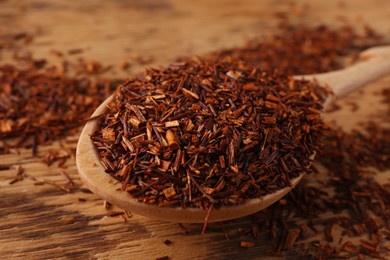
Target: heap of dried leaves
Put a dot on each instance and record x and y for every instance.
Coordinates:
(40, 103)
(209, 131)
(299, 50)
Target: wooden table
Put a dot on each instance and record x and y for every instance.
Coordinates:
(45, 222)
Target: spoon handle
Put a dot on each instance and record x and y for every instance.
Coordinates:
(374, 65)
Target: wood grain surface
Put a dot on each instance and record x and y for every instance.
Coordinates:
(45, 222)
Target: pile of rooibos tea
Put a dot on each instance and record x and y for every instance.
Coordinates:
(209, 132)
(42, 102)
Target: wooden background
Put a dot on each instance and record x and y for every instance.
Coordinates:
(39, 222)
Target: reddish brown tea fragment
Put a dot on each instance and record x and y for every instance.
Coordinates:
(19, 175)
(291, 238)
(167, 242)
(247, 244)
(68, 220)
(55, 184)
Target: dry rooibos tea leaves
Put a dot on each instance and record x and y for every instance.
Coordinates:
(209, 132)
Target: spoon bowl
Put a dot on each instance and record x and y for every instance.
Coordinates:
(376, 64)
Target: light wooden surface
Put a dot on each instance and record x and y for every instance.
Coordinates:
(36, 221)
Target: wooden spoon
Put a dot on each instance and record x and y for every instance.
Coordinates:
(374, 64)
